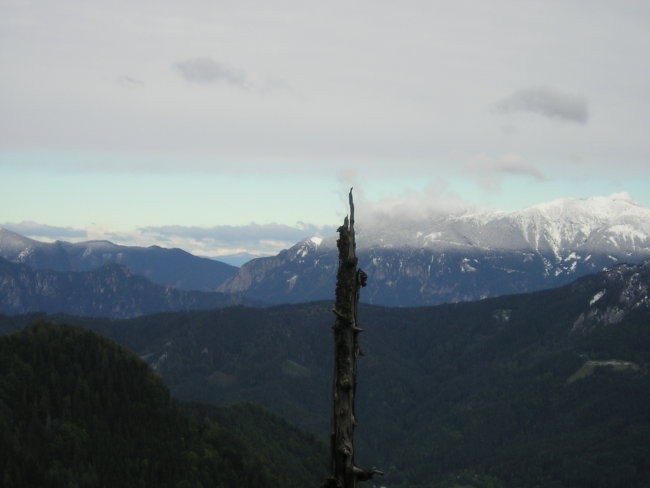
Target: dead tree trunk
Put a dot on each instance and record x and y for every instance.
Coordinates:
(349, 279)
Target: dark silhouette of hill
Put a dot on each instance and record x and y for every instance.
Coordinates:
(78, 410)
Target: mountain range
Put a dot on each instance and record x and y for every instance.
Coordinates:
(449, 257)
(491, 389)
(111, 290)
(169, 267)
(460, 256)
(549, 388)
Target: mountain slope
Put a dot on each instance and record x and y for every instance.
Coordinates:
(539, 389)
(111, 291)
(77, 410)
(461, 257)
(169, 267)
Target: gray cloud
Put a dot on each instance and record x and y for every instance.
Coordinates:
(548, 103)
(128, 80)
(50, 232)
(207, 70)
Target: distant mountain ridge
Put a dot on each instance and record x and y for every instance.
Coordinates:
(169, 267)
(109, 291)
(462, 256)
(449, 257)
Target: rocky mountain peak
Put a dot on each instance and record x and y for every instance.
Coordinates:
(462, 256)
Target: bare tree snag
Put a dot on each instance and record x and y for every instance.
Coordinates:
(349, 280)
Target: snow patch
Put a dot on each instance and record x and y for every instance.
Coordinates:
(433, 236)
(161, 360)
(24, 254)
(623, 196)
(597, 297)
(291, 282)
(502, 315)
(465, 267)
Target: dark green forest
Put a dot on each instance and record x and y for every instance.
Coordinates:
(76, 410)
(550, 389)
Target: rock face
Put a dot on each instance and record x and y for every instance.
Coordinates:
(466, 256)
(624, 290)
(169, 267)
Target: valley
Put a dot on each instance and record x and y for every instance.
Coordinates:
(511, 391)
(499, 349)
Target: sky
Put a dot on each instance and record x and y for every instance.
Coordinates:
(239, 126)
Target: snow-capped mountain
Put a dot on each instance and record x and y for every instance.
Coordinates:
(594, 224)
(468, 255)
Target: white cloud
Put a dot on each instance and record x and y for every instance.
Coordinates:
(408, 209)
(258, 239)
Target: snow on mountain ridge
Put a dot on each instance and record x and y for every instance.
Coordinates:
(467, 255)
(558, 226)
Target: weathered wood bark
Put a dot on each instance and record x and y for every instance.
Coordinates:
(349, 280)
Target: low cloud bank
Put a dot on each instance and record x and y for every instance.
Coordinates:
(38, 231)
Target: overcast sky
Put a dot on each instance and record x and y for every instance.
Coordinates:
(157, 120)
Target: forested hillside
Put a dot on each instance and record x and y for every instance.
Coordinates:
(542, 389)
(109, 291)
(78, 410)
